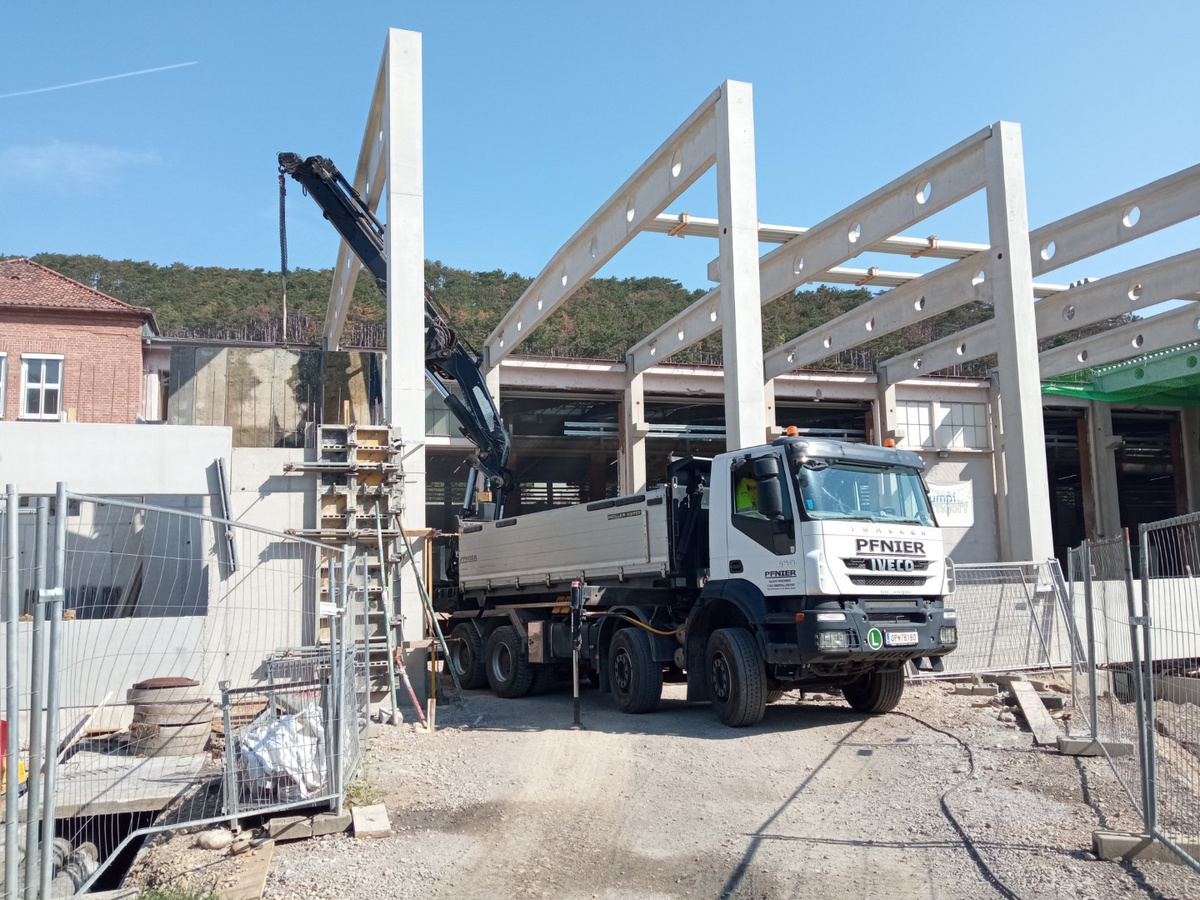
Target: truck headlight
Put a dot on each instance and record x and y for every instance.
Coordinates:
(948, 634)
(832, 640)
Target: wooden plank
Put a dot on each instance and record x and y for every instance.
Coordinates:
(252, 878)
(1044, 728)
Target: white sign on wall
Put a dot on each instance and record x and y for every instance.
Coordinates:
(953, 504)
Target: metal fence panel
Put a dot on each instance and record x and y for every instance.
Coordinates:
(199, 669)
(1110, 712)
(1170, 564)
(1009, 618)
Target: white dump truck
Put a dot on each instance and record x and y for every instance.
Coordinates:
(802, 564)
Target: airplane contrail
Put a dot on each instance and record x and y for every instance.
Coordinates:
(61, 87)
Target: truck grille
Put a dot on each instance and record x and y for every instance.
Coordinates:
(888, 580)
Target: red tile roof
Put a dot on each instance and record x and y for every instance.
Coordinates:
(24, 283)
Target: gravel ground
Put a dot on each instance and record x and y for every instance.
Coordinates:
(946, 798)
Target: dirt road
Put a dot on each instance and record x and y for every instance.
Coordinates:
(941, 800)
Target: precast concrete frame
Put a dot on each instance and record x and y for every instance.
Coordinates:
(391, 161)
(720, 132)
(1000, 272)
(1119, 220)
(1152, 207)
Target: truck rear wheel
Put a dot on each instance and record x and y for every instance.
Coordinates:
(875, 692)
(636, 679)
(466, 655)
(737, 679)
(508, 670)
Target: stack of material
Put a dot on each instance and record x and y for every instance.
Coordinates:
(170, 718)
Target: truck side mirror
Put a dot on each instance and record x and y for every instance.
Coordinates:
(770, 497)
(766, 467)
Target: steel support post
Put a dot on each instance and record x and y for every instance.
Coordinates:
(741, 303)
(12, 615)
(1090, 627)
(1010, 270)
(1149, 746)
(37, 685)
(54, 597)
(1138, 680)
(230, 770)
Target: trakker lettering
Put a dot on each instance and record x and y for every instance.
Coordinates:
(877, 545)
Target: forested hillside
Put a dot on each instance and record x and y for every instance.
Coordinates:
(603, 319)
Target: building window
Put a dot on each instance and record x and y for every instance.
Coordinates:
(3, 381)
(41, 386)
(943, 425)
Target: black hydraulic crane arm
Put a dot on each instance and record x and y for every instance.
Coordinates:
(445, 355)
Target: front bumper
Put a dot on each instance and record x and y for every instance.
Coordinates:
(854, 635)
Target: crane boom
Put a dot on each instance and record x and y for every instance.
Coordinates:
(447, 357)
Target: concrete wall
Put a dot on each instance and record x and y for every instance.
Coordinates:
(117, 460)
(980, 541)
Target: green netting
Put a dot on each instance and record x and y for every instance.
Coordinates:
(1168, 378)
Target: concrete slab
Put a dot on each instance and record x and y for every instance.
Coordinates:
(1134, 845)
(92, 783)
(372, 822)
(1045, 729)
(1083, 746)
(290, 828)
(331, 823)
(977, 690)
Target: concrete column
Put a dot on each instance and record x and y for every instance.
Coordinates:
(774, 427)
(1102, 446)
(886, 418)
(1019, 377)
(404, 398)
(633, 436)
(1189, 429)
(741, 306)
(1000, 485)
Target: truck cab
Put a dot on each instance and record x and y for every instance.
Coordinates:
(829, 555)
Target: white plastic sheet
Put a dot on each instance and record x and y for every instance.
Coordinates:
(285, 759)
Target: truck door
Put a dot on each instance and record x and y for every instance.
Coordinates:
(759, 524)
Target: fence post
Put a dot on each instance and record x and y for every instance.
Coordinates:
(12, 615)
(36, 687)
(55, 597)
(1149, 751)
(1090, 625)
(230, 774)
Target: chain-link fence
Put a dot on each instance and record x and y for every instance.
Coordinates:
(1010, 618)
(167, 668)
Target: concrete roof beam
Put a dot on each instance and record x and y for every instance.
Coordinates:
(686, 155)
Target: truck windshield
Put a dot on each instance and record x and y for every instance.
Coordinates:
(834, 489)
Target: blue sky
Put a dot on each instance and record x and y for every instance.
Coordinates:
(536, 112)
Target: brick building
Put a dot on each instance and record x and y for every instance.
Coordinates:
(67, 351)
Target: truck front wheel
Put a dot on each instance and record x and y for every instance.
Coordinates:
(466, 655)
(875, 692)
(636, 679)
(509, 672)
(737, 679)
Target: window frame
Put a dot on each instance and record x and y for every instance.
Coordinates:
(26, 358)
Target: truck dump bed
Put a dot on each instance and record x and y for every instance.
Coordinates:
(609, 540)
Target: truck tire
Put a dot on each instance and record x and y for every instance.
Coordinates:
(636, 679)
(875, 692)
(737, 679)
(466, 655)
(775, 695)
(508, 670)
